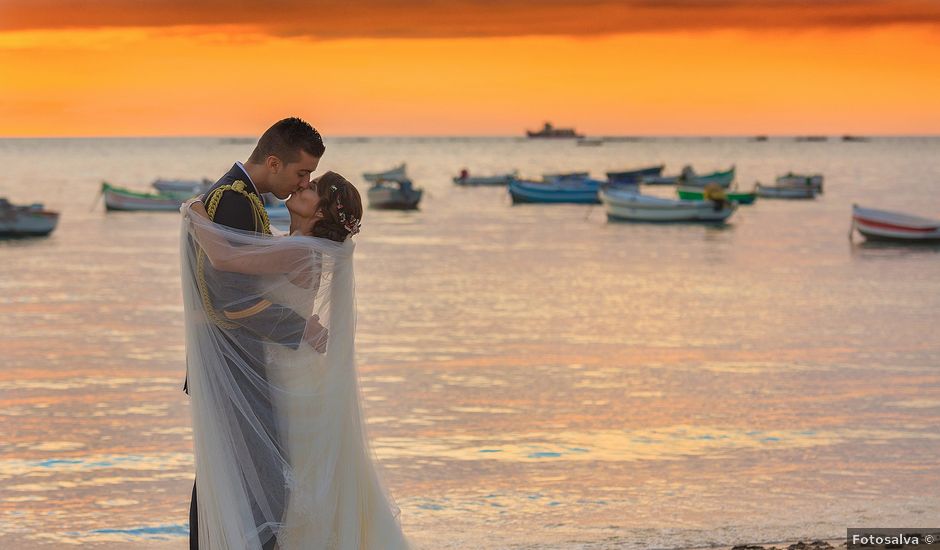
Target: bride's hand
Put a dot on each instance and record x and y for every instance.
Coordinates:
(316, 334)
(303, 277)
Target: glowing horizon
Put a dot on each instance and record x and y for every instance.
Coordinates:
(871, 74)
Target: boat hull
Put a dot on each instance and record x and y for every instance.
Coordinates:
(383, 198)
(534, 192)
(885, 225)
(484, 180)
(28, 224)
(637, 207)
(117, 199)
(635, 176)
(786, 192)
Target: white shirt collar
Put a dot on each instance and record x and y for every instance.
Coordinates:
(242, 166)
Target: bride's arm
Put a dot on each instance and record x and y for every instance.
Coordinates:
(226, 257)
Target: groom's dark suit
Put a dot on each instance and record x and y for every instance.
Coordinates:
(257, 321)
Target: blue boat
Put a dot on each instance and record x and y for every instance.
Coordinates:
(634, 176)
(582, 191)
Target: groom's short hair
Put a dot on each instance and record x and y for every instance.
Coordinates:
(286, 139)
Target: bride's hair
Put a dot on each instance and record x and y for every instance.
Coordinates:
(341, 206)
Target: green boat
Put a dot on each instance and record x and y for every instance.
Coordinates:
(698, 194)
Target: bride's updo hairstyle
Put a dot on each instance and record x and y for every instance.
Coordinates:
(341, 206)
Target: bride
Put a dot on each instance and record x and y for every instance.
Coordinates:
(313, 483)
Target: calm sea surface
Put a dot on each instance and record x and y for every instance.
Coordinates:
(534, 376)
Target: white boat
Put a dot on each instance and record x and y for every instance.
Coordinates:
(784, 192)
(182, 186)
(26, 221)
(895, 226)
(397, 194)
(499, 179)
(801, 180)
(623, 204)
(396, 173)
(119, 198)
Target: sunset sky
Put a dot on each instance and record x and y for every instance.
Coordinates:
(433, 67)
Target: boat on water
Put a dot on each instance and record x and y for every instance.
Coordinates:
(623, 204)
(192, 187)
(855, 138)
(784, 191)
(812, 138)
(698, 194)
(635, 175)
(397, 173)
(689, 178)
(558, 190)
(26, 221)
(499, 179)
(886, 225)
(120, 198)
(801, 180)
(394, 194)
(549, 131)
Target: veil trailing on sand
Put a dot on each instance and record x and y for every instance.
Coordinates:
(280, 449)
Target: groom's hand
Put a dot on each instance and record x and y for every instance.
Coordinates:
(316, 334)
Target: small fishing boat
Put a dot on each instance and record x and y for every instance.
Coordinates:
(26, 221)
(691, 179)
(698, 194)
(119, 198)
(549, 131)
(628, 205)
(192, 187)
(784, 192)
(894, 226)
(500, 179)
(565, 177)
(801, 180)
(396, 173)
(563, 190)
(635, 175)
(394, 194)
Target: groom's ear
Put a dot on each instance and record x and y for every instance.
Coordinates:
(273, 163)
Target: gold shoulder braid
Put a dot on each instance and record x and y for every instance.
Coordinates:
(260, 219)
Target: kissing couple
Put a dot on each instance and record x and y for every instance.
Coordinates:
(282, 458)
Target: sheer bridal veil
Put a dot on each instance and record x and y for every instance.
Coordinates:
(280, 448)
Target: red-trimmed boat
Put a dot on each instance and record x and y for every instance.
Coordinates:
(894, 226)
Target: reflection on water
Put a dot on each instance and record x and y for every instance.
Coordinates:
(533, 377)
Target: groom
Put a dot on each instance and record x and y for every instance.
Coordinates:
(281, 164)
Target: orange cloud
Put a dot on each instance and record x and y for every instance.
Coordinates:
(335, 19)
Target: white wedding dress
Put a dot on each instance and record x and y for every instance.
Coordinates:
(279, 440)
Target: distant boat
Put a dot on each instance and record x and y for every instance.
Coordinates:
(635, 175)
(812, 138)
(698, 194)
(396, 173)
(622, 204)
(500, 179)
(784, 191)
(759, 138)
(394, 194)
(691, 179)
(194, 187)
(119, 198)
(26, 221)
(581, 191)
(549, 131)
(854, 138)
(894, 226)
(565, 177)
(801, 180)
